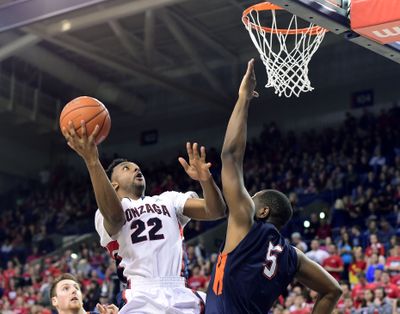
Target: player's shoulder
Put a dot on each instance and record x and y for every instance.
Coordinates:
(270, 230)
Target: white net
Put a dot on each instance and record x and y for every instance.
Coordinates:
(286, 54)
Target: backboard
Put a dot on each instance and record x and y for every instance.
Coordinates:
(335, 15)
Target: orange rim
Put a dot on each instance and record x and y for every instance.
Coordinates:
(267, 6)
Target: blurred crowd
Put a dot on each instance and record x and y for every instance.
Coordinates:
(353, 169)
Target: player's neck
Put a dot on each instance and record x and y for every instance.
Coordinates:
(130, 194)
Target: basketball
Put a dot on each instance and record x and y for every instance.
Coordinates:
(92, 111)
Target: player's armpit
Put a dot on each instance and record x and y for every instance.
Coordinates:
(111, 228)
(196, 208)
(318, 279)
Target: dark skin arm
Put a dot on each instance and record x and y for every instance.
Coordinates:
(241, 206)
(318, 279)
(106, 197)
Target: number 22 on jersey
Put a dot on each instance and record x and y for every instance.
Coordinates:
(155, 224)
(270, 266)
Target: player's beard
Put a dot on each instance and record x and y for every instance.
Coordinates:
(139, 189)
(75, 305)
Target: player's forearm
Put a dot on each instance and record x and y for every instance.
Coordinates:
(326, 303)
(106, 197)
(214, 202)
(236, 132)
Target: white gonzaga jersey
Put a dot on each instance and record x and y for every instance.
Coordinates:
(149, 245)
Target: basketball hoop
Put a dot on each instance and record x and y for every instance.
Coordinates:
(286, 61)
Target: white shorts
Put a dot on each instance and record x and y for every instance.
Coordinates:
(161, 296)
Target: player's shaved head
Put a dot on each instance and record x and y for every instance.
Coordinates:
(280, 208)
(113, 164)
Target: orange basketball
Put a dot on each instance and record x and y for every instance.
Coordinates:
(92, 111)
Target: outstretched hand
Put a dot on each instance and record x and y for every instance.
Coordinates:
(83, 145)
(107, 309)
(197, 168)
(249, 82)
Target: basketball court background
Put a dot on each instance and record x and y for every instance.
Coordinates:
(168, 71)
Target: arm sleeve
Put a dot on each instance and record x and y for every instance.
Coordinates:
(178, 200)
(105, 238)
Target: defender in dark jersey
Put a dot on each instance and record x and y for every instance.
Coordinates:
(256, 264)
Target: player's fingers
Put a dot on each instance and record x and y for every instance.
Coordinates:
(184, 164)
(250, 66)
(65, 133)
(189, 150)
(96, 130)
(112, 308)
(101, 308)
(203, 154)
(256, 94)
(71, 129)
(94, 133)
(83, 129)
(208, 165)
(196, 151)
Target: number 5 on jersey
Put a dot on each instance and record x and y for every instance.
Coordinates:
(270, 266)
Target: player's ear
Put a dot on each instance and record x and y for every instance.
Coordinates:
(264, 212)
(54, 301)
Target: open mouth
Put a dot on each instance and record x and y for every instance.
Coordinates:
(75, 299)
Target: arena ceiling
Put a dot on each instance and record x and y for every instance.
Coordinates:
(149, 61)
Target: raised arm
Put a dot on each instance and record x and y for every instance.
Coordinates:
(318, 279)
(106, 197)
(240, 204)
(213, 205)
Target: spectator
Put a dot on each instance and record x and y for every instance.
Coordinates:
(381, 304)
(298, 242)
(373, 264)
(374, 245)
(393, 261)
(316, 254)
(333, 263)
(197, 280)
(391, 290)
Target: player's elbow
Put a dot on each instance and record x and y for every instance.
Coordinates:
(334, 292)
(229, 154)
(226, 153)
(222, 212)
(217, 213)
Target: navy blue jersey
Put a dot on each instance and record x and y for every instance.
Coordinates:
(251, 277)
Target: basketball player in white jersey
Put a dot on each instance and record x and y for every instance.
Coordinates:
(146, 233)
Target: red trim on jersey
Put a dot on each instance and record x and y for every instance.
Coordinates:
(183, 267)
(112, 247)
(180, 229)
(124, 296)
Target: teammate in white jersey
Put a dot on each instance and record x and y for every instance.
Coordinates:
(145, 233)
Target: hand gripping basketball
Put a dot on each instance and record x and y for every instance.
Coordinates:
(83, 144)
(92, 111)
